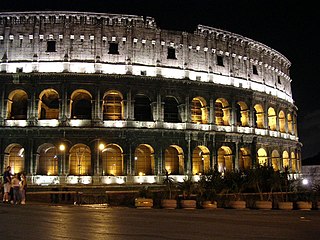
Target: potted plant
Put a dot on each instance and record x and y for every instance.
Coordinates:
(143, 200)
(285, 186)
(208, 187)
(263, 178)
(187, 187)
(235, 183)
(169, 201)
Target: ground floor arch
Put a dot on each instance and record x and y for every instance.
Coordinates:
(225, 162)
(200, 160)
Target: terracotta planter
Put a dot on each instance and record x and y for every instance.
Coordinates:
(209, 204)
(304, 205)
(188, 204)
(285, 205)
(143, 203)
(265, 205)
(237, 204)
(169, 203)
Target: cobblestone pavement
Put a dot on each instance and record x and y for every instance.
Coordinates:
(43, 221)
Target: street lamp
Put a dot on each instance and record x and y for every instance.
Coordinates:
(100, 147)
(62, 148)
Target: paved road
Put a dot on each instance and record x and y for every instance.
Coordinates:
(100, 222)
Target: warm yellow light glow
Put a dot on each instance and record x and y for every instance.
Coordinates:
(101, 146)
(141, 174)
(62, 147)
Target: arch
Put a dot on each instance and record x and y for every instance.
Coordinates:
(222, 112)
(14, 157)
(112, 105)
(282, 122)
(81, 106)
(290, 123)
(80, 160)
(285, 159)
(48, 160)
(174, 160)
(199, 111)
(48, 107)
(245, 161)
(112, 160)
(142, 108)
(225, 162)
(262, 157)
(144, 160)
(200, 160)
(272, 119)
(275, 160)
(258, 116)
(242, 114)
(17, 105)
(170, 111)
(293, 162)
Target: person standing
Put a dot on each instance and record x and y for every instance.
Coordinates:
(6, 184)
(23, 188)
(16, 189)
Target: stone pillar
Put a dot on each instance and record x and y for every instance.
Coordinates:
(251, 117)
(154, 111)
(31, 109)
(130, 107)
(266, 120)
(189, 156)
(187, 111)
(2, 108)
(182, 112)
(233, 114)
(211, 112)
(236, 156)
(30, 159)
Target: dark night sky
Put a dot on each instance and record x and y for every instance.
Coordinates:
(287, 26)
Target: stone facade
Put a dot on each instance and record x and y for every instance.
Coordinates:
(113, 99)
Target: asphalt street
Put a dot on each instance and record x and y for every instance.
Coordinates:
(117, 223)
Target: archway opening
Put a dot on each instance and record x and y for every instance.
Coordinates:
(144, 160)
(112, 160)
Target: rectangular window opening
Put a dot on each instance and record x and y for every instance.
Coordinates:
(255, 70)
(279, 80)
(220, 61)
(171, 53)
(113, 48)
(51, 46)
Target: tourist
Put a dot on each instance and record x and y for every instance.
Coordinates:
(16, 189)
(6, 184)
(23, 188)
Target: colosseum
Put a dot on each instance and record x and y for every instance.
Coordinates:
(111, 99)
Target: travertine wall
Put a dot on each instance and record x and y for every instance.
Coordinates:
(85, 37)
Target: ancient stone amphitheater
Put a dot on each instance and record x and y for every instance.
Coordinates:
(95, 98)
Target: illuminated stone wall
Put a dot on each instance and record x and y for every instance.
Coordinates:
(81, 78)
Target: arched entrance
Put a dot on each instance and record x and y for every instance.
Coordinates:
(144, 160)
(225, 162)
(262, 157)
(80, 160)
(174, 160)
(14, 157)
(48, 160)
(200, 160)
(112, 160)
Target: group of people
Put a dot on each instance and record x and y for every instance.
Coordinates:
(14, 187)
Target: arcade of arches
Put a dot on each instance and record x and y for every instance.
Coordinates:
(81, 104)
(80, 160)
